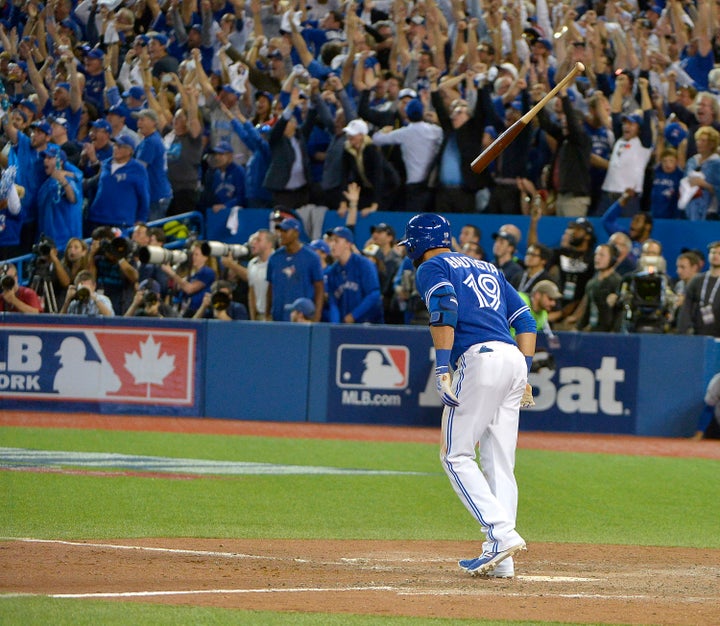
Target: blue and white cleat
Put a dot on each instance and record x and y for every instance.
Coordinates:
(488, 561)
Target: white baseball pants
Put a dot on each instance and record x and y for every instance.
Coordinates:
(489, 382)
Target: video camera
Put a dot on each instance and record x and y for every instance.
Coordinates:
(44, 246)
(112, 247)
(218, 248)
(156, 255)
(645, 303)
(116, 248)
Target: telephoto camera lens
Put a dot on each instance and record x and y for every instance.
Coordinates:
(220, 301)
(82, 294)
(7, 283)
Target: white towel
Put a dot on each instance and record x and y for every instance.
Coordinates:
(233, 222)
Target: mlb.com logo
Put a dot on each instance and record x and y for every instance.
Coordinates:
(372, 367)
(99, 364)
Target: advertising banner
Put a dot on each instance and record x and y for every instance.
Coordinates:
(121, 369)
(586, 383)
(378, 375)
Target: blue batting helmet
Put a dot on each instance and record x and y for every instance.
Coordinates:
(425, 232)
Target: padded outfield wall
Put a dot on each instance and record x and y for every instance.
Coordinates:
(650, 385)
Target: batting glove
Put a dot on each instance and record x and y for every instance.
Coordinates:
(527, 398)
(443, 383)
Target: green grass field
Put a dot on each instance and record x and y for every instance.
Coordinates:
(588, 498)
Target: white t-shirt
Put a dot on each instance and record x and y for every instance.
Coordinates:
(627, 166)
(257, 279)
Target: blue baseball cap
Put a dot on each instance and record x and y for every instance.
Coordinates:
(53, 151)
(222, 147)
(491, 130)
(124, 140)
(544, 42)
(42, 126)
(636, 118)
(289, 223)
(160, 38)
(95, 53)
(303, 305)
(231, 90)
(264, 94)
(136, 92)
(142, 40)
(674, 134)
(321, 245)
(102, 125)
(65, 86)
(28, 104)
(344, 232)
(119, 109)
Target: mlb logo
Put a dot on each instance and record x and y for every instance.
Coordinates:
(372, 367)
(143, 365)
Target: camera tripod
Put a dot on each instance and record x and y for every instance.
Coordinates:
(43, 279)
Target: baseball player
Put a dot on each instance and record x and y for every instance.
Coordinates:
(481, 377)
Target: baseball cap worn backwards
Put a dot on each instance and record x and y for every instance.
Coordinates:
(503, 234)
(547, 287)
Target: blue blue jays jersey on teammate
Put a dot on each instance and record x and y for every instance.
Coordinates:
(354, 288)
(488, 305)
(292, 276)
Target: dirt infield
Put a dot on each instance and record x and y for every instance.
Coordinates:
(579, 583)
(554, 582)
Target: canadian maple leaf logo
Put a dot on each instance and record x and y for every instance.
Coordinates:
(149, 367)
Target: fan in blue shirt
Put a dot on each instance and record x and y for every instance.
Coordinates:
(353, 285)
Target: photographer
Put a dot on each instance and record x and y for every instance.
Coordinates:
(218, 304)
(146, 302)
(116, 275)
(82, 299)
(15, 297)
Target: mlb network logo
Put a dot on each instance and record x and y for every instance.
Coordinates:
(372, 366)
(105, 364)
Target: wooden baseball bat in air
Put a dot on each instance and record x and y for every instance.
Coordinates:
(495, 149)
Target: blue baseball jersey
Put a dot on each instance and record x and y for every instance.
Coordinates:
(487, 305)
(151, 152)
(355, 288)
(292, 276)
(665, 193)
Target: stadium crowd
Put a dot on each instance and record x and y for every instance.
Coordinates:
(116, 113)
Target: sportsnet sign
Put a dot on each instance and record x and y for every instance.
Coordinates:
(105, 364)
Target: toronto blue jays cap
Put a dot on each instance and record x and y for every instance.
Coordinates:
(303, 305)
(53, 151)
(289, 223)
(344, 232)
(42, 126)
(321, 245)
(102, 125)
(674, 134)
(136, 92)
(222, 147)
(124, 140)
(633, 117)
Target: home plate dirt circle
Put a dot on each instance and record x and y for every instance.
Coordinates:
(554, 582)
